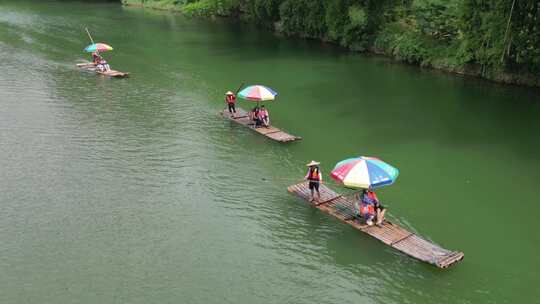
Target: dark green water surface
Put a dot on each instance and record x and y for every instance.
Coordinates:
(136, 191)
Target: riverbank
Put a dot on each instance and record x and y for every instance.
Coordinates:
(491, 41)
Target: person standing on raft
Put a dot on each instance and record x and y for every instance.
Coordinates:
(230, 99)
(314, 177)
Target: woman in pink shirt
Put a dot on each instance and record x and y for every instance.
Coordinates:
(263, 116)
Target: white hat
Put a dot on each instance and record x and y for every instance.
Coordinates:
(229, 93)
(313, 163)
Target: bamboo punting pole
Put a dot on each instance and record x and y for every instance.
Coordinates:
(89, 36)
(506, 31)
(239, 88)
(296, 180)
(91, 39)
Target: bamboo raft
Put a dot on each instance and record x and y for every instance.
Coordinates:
(271, 132)
(391, 234)
(89, 66)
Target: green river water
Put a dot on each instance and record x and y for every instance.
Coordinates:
(136, 191)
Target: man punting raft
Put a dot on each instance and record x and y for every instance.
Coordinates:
(314, 177)
(364, 212)
(364, 173)
(258, 119)
(230, 100)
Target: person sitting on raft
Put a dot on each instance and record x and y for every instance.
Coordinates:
(254, 115)
(263, 116)
(314, 177)
(380, 210)
(103, 66)
(230, 99)
(364, 207)
(96, 58)
(370, 208)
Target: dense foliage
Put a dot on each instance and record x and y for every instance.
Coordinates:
(493, 36)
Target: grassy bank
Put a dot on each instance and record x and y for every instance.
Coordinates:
(496, 40)
(189, 7)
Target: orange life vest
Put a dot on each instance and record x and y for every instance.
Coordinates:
(230, 98)
(372, 196)
(367, 209)
(314, 174)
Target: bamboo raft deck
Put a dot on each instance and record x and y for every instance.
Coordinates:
(271, 132)
(391, 234)
(89, 66)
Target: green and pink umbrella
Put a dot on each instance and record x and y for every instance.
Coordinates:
(364, 172)
(98, 47)
(258, 93)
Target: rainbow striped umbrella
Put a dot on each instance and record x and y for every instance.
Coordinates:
(98, 47)
(258, 93)
(364, 172)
